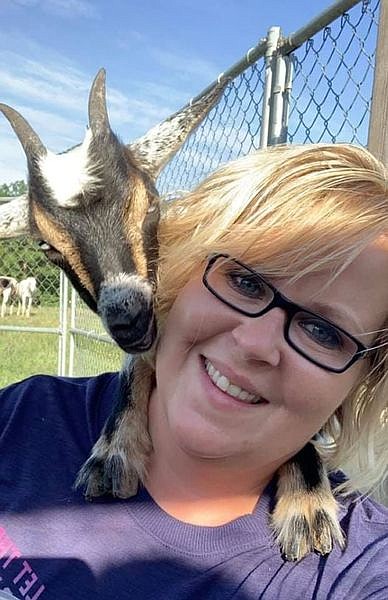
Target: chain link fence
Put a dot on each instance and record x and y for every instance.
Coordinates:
(319, 91)
(21, 353)
(312, 86)
(91, 350)
(332, 85)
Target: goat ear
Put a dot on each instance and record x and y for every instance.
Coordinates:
(30, 140)
(153, 150)
(98, 112)
(14, 218)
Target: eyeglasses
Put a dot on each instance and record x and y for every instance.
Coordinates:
(320, 341)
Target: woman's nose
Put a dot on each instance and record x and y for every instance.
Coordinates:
(261, 338)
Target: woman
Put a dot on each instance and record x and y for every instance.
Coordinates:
(272, 304)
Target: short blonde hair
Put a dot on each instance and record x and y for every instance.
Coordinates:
(293, 210)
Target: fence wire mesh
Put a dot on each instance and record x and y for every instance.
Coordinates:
(330, 100)
(22, 259)
(232, 128)
(324, 96)
(91, 349)
(333, 78)
(29, 344)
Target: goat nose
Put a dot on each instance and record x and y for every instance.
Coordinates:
(133, 333)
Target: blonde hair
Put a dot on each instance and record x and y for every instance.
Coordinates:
(293, 210)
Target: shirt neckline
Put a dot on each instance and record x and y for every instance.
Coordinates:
(245, 531)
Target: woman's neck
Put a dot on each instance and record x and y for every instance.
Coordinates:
(200, 493)
(197, 489)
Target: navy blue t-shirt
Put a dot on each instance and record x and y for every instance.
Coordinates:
(54, 545)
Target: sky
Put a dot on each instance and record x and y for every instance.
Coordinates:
(157, 53)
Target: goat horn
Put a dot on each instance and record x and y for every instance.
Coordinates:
(27, 137)
(14, 217)
(154, 149)
(98, 113)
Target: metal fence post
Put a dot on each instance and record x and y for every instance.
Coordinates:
(378, 134)
(270, 66)
(73, 313)
(287, 96)
(63, 297)
(378, 124)
(279, 102)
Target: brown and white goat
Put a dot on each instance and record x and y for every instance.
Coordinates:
(96, 211)
(7, 289)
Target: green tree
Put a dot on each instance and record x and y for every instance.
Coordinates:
(16, 188)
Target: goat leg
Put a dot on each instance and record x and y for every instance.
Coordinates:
(118, 459)
(305, 515)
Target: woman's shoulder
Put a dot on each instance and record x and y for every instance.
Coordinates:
(41, 387)
(357, 511)
(365, 524)
(365, 512)
(51, 381)
(56, 399)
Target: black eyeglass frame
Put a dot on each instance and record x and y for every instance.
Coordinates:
(290, 308)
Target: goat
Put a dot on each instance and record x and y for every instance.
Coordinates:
(95, 209)
(24, 291)
(7, 289)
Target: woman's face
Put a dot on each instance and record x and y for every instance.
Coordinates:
(293, 398)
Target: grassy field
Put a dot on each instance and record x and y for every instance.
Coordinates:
(23, 353)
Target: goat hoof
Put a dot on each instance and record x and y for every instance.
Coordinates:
(324, 531)
(90, 477)
(121, 480)
(306, 524)
(107, 474)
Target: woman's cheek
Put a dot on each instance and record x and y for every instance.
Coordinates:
(315, 396)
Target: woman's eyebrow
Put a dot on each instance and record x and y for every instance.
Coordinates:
(340, 315)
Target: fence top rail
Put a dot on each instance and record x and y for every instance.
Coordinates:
(238, 67)
(288, 44)
(332, 12)
(26, 329)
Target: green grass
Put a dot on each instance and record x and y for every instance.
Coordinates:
(23, 353)
(92, 357)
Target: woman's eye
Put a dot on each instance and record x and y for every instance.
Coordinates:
(247, 284)
(323, 333)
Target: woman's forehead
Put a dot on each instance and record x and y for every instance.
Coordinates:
(381, 242)
(359, 291)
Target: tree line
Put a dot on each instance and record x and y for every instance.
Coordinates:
(16, 188)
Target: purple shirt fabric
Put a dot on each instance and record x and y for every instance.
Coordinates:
(54, 545)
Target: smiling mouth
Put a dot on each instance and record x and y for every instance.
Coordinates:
(230, 388)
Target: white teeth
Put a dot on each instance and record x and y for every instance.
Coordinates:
(225, 385)
(222, 382)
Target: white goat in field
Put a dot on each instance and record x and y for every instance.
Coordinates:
(24, 292)
(7, 290)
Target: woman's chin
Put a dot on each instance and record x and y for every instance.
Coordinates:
(204, 443)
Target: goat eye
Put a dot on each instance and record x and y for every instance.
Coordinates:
(44, 245)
